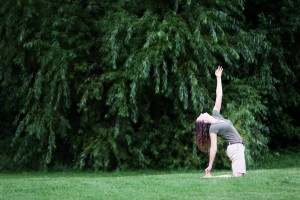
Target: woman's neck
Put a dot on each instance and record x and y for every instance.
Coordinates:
(214, 120)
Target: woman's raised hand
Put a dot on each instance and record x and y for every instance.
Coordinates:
(219, 71)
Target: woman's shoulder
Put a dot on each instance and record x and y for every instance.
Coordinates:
(217, 114)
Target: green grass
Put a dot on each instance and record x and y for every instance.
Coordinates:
(257, 184)
(280, 182)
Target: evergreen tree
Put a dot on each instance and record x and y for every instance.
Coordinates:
(118, 84)
(281, 22)
(158, 61)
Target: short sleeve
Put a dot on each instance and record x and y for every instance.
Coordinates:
(217, 114)
(213, 129)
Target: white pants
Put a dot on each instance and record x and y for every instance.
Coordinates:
(236, 153)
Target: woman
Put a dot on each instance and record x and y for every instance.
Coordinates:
(208, 127)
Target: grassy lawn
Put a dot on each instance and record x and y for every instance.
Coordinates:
(264, 183)
(258, 184)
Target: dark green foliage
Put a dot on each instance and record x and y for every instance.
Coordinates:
(118, 84)
(281, 22)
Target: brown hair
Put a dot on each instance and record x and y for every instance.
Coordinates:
(202, 135)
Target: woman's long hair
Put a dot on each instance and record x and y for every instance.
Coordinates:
(202, 135)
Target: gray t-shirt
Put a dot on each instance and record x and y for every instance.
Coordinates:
(224, 129)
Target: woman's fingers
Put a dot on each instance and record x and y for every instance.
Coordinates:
(219, 71)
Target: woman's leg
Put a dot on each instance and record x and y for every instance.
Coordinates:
(236, 154)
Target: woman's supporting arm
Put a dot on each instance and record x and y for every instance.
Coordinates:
(212, 152)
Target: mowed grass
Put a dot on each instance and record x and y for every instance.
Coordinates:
(276, 183)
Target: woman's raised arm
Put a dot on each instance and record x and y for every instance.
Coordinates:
(219, 90)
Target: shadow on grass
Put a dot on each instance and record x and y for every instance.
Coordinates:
(281, 158)
(277, 159)
(93, 174)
